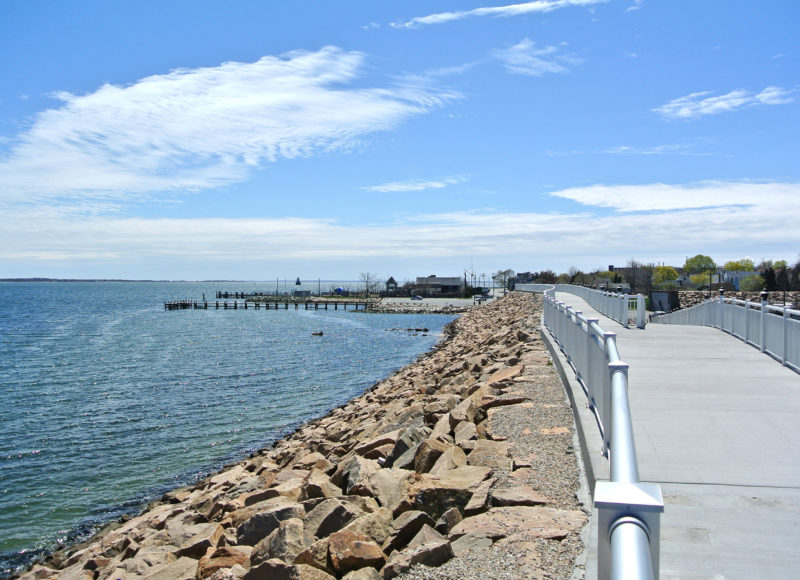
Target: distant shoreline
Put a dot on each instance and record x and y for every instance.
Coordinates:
(146, 280)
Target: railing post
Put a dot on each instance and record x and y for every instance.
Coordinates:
(746, 321)
(641, 311)
(605, 414)
(622, 300)
(764, 305)
(587, 381)
(785, 333)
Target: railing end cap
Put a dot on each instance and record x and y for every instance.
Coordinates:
(612, 494)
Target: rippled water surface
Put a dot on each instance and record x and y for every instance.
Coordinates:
(107, 400)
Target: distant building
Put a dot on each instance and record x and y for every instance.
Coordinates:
(735, 277)
(391, 285)
(434, 285)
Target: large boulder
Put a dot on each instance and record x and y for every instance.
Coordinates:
(195, 547)
(260, 525)
(538, 522)
(318, 484)
(404, 528)
(428, 548)
(286, 542)
(329, 516)
(428, 452)
(376, 525)
(354, 472)
(408, 439)
(437, 494)
(349, 551)
(279, 570)
(225, 557)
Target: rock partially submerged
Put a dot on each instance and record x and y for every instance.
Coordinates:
(409, 474)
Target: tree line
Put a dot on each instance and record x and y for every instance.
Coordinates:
(701, 271)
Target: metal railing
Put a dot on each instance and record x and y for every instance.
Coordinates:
(774, 330)
(629, 511)
(626, 309)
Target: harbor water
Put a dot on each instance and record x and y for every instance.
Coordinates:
(108, 401)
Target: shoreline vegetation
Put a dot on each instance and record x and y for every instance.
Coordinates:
(460, 465)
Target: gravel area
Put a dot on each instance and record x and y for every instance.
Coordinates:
(547, 458)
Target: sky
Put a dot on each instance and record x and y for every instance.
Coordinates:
(256, 140)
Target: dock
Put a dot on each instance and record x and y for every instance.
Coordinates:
(272, 305)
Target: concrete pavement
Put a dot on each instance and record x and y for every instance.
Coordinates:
(716, 425)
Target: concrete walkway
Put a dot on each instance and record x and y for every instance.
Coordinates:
(717, 425)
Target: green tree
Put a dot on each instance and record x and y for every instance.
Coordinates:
(663, 274)
(743, 265)
(699, 264)
(547, 277)
(770, 280)
(752, 283)
(701, 279)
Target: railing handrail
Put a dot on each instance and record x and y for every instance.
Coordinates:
(615, 305)
(628, 510)
(773, 329)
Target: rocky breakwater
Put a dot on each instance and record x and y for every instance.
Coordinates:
(419, 308)
(459, 466)
(689, 298)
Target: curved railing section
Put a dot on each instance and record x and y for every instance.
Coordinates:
(629, 511)
(774, 330)
(627, 309)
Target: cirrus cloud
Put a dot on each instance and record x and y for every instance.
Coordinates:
(526, 58)
(540, 6)
(696, 105)
(415, 185)
(198, 128)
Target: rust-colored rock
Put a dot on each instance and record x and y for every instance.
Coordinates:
(539, 522)
(350, 551)
(225, 557)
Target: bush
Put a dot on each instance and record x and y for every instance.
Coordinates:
(752, 283)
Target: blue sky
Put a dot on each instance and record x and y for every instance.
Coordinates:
(255, 140)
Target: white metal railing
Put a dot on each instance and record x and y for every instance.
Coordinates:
(626, 309)
(774, 330)
(629, 511)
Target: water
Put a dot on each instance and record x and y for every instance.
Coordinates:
(108, 401)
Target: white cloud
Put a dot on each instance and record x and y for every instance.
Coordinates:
(526, 59)
(664, 197)
(775, 96)
(540, 6)
(199, 128)
(415, 185)
(698, 104)
(689, 148)
(650, 221)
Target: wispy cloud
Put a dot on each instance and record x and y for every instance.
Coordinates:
(526, 59)
(690, 148)
(199, 128)
(415, 185)
(700, 104)
(540, 6)
(665, 197)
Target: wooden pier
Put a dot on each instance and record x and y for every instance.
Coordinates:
(274, 305)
